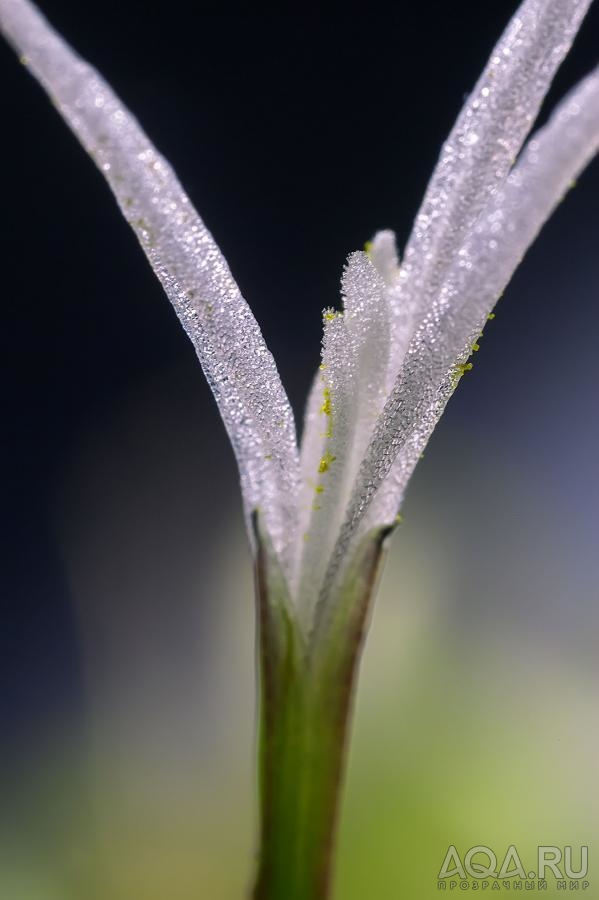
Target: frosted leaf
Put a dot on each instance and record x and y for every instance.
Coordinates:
(382, 252)
(367, 318)
(553, 158)
(438, 354)
(551, 162)
(325, 457)
(393, 358)
(340, 422)
(314, 435)
(481, 149)
(193, 272)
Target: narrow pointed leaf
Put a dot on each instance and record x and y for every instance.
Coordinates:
(552, 160)
(184, 256)
(439, 351)
(482, 147)
(384, 256)
(323, 489)
(354, 365)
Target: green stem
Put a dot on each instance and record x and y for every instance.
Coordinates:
(305, 710)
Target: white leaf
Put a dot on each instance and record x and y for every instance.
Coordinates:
(382, 252)
(328, 439)
(553, 158)
(184, 256)
(442, 344)
(481, 150)
(341, 420)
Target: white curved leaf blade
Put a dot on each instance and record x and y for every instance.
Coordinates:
(553, 158)
(186, 259)
(439, 351)
(346, 401)
(481, 150)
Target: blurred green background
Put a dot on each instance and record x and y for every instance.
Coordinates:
(476, 719)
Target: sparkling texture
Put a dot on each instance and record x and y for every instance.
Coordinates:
(191, 268)
(385, 258)
(394, 355)
(345, 403)
(514, 215)
(481, 150)
(438, 352)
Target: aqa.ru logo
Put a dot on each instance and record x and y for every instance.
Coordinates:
(480, 863)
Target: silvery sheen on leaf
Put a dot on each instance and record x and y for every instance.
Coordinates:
(396, 350)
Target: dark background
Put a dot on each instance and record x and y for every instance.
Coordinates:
(297, 135)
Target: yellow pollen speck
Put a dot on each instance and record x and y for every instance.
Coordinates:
(475, 347)
(322, 367)
(268, 456)
(398, 518)
(319, 489)
(329, 315)
(326, 406)
(325, 462)
(327, 410)
(368, 248)
(491, 316)
(460, 370)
